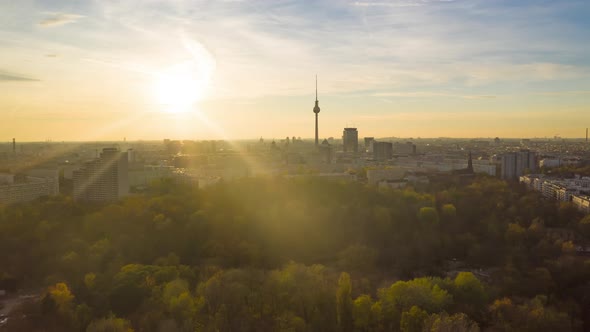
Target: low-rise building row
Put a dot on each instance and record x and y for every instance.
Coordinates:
(575, 190)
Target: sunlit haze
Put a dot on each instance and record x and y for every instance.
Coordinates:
(295, 165)
(106, 69)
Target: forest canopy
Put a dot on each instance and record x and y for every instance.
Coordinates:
(302, 254)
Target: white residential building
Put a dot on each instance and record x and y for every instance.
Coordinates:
(574, 190)
(23, 188)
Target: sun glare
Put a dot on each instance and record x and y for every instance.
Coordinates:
(179, 88)
(182, 85)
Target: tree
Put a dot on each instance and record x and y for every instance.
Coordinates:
(110, 324)
(413, 320)
(362, 313)
(584, 226)
(403, 295)
(515, 234)
(445, 323)
(469, 294)
(61, 295)
(344, 302)
(179, 301)
(288, 322)
(357, 258)
(428, 215)
(449, 211)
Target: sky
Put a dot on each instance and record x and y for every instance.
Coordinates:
(243, 69)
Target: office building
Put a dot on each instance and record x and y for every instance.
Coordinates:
(516, 164)
(350, 140)
(103, 179)
(382, 151)
(369, 144)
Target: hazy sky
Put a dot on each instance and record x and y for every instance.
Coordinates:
(108, 69)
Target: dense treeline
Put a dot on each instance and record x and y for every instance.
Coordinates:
(299, 255)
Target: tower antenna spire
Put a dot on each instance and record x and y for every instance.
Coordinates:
(316, 110)
(316, 87)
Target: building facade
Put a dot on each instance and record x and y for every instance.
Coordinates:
(350, 140)
(516, 164)
(369, 144)
(18, 189)
(382, 151)
(404, 148)
(103, 179)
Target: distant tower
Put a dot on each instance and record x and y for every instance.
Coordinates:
(14, 145)
(586, 135)
(316, 110)
(470, 163)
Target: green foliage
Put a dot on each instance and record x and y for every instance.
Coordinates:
(469, 294)
(363, 315)
(449, 211)
(444, 323)
(413, 320)
(62, 297)
(357, 258)
(428, 215)
(533, 315)
(403, 295)
(344, 306)
(268, 255)
(110, 324)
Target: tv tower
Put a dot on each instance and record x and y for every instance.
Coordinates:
(316, 110)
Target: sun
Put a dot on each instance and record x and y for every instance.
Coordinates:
(179, 88)
(182, 85)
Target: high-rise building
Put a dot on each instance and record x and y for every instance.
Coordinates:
(369, 144)
(515, 164)
(103, 179)
(350, 140)
(382, 150)
(316, 110)
(508, 161)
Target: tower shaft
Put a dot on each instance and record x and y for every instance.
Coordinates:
(316, 129)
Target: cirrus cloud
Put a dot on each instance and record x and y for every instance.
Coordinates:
(57, 19)
(8, 76)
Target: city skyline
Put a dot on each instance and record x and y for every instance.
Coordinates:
(103, 70)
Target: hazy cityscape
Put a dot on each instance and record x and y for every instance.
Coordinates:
(38, 169)
(356, 166)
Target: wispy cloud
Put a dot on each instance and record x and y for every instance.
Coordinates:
(426, 94)
(398, 3)
(386, 4)
(562, 93)
(57, 19)
(8, 76)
